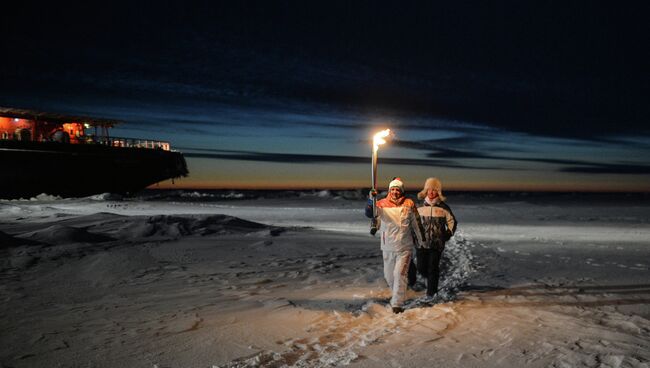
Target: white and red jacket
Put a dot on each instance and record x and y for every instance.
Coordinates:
(398, 223)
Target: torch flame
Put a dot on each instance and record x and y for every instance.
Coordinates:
(379, 139)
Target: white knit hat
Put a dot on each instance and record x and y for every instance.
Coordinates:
(432, 183)
(397, 182)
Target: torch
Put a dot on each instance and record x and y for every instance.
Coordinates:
(376, 141)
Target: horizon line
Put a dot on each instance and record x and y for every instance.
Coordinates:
(456, 190)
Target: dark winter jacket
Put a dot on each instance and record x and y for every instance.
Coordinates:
(439, 223)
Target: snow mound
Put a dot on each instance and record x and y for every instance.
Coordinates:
(324, 194)
(457, 266)
(60, 234)
(7, 241)
(202, 195)
(106, 197)
(45, 197)
(41, 197)
(179, 226)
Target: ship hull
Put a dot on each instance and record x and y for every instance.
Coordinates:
(78, 170)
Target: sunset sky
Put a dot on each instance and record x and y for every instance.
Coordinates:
(282, 94)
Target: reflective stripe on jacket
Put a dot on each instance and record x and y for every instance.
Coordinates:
(439, 224)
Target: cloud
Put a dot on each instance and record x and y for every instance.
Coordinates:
(313, 159)
(618, 169)
(437, 149)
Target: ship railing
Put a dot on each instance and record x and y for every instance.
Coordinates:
(92, 139)
(133, 142)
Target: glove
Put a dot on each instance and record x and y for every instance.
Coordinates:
(369, 208)
(448, 235)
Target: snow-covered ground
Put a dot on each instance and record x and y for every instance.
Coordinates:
(237, 281)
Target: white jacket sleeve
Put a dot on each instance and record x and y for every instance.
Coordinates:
(416, 225)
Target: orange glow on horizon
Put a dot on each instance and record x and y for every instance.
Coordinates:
(226, 175)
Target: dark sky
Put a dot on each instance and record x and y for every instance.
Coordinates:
(537, 71)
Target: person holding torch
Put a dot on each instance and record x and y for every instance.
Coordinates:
(396, 218)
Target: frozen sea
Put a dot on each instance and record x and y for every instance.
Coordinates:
(293, 278)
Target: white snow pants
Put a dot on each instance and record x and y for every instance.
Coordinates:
(396, 267)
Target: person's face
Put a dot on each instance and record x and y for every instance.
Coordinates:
(432, 193)
(395, 193)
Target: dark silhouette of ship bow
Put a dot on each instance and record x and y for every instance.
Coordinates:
(78, 170)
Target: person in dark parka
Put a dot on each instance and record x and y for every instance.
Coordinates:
(440, 225)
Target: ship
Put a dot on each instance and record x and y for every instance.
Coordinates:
(75, 156)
